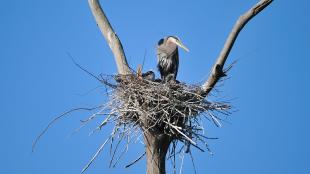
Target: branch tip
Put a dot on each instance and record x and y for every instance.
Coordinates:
(218, 71)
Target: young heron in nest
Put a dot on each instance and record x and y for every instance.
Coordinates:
(168, 57)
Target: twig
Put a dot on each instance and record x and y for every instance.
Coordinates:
(193, 163)
(179, 131)
(95, 156)
(182, 161)
(57, 118)
(82, 68)
(140, 157)
(116, 147)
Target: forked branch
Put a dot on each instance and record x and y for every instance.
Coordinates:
(110, 36)
(217, 70)
(164, 113)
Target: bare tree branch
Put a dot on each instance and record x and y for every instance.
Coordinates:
(110, 36)
(217, 70)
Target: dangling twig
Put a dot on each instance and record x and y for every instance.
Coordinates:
(95, 155)
(57, 118)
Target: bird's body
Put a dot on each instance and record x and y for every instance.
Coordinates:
(150, 75)
(168, 61)
(168, 57)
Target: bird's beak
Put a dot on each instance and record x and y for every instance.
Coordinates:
(180, 44)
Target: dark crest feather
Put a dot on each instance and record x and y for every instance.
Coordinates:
(161, 41)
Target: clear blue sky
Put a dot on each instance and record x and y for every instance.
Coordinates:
(269, 85)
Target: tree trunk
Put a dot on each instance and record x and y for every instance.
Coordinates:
(156, 149)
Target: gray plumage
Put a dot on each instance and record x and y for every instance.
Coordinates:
(168, 57)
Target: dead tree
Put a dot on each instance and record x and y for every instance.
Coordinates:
(157, 141)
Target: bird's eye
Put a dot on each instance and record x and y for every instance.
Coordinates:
(161, 41)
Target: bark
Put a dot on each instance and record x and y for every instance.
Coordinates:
(156, 147)
(217, 70)
(111, 37)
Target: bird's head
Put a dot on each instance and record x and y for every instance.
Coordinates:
(172, 40)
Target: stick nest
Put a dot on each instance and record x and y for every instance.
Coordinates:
(137, 105)
(174, 109)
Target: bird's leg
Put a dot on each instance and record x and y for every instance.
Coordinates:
(163, 79)
(169, 78)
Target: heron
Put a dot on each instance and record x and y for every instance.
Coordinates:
(168, 57)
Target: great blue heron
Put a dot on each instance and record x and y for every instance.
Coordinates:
(168, 57)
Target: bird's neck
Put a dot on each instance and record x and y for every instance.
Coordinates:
(171, 47)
